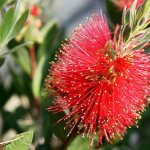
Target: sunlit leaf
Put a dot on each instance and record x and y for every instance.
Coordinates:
(6, 26)
(17, 8)
(20, 142)
(19, 25)
(11, 25)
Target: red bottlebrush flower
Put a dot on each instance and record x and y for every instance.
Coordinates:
(104, 88)
(35, 10)
(128, 3)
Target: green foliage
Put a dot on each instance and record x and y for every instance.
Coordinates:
(135, 23)
(135, 26)
(10, 25)
(19, 25)
(13, 50)
(126, 32)
(36, 84)
(2, 2)
(22, 141)
(2, 61)
(6, 25)
(79, 143)
(23, 54)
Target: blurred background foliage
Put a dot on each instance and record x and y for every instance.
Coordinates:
(23, 99)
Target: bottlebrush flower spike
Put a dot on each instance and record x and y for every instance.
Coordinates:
(103, 83)
(128, 3)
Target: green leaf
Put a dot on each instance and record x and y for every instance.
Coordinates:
(58, 128)
(142, 40)
(126, 16)
(20, 83)
(140, 10)
(49, 122)
(14, 49)
(136, 31)
(126, 32)
(2, 61)
(11, 25)
(6, 26)
(49, 33)
(17, 8)
(146, 7)
(79, 143)
(139, 46)
(37, 80)
(19, 25)
(143, 12)
(20, 142)
(133, 14)
(124, 22)
(2, 2)
(23, 59)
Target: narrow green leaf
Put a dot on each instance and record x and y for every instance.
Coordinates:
(17, 8)
(132, 14)
(140, 10)
(142, 35)
(37, 80)
(146, 6)
(138, 24)
(139, 46)
(126, 17)
(126, 32)
(142, 40)
(20, 142)
(124, 22)
(2, 60)
(6, 26)
(15, 49)
(19, 25)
